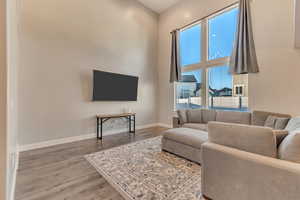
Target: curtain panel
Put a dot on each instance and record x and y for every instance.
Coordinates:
(175, 73)
(243, 59)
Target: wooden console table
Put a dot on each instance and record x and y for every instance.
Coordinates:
(103, 118)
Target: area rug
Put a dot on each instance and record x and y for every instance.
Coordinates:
(141, 171)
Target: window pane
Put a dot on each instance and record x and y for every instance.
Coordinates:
(189, 90)
(222, 29)
(221, 93)
(190, 46)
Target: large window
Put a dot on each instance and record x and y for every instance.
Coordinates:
(205, 48)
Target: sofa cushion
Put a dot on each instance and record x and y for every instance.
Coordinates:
(234, 117)
(194, 116)
(278, 123)
(208, 115)
(293, 124)
(289, 148)
(182, 116)
(253, 139)
(187, 136)
(198, 126)
(259, 117)
(270, 121)
(281, 123)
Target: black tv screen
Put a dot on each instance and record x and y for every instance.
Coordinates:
(114, 87)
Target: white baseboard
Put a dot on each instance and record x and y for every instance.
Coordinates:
(11, 193)
(49, 143)
(165, 125)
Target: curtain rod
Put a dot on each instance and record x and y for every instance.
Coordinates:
(215, 12)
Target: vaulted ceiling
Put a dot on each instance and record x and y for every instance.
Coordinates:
(159, 5)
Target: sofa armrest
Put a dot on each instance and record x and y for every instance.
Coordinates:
(254, 139)
(176, 122)
(229, 173)
(280, 135)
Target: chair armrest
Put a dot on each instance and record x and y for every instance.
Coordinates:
(254, 139)
(246, 175)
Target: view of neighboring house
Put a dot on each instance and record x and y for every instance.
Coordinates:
(188, 93)
(188, 87)
(240, 85)
(220, 93)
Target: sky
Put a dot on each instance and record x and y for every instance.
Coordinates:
(221, 36)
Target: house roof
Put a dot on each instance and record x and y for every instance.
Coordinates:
(189, 79)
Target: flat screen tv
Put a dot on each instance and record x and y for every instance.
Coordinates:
(114, 87)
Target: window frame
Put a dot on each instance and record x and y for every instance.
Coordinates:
(205, 63)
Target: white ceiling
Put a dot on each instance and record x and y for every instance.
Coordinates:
(158, 5)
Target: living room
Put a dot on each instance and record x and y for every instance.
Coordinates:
(137, 99)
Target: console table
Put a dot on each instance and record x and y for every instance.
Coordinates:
(103, 118)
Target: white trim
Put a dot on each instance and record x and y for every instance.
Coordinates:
(165, 125)
(49, 143)
(14, 178)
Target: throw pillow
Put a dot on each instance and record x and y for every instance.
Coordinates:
(293, 124)
(289, 149)
(194, 116)
(281, 123)
(270, 121)
(182, 116)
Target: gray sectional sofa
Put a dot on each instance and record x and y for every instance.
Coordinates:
(244, 156)
(191, 129)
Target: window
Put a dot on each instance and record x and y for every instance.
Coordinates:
(221, 34)
(190, 46)
(204, 51)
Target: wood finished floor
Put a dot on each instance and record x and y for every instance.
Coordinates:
(61, 172)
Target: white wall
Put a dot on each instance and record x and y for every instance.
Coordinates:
(3, 100)
(12, 61)
(61, 42)
(276, 87)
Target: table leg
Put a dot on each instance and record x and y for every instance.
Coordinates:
(101, 128)
(129, 124)
(134, 124)
(97, 127)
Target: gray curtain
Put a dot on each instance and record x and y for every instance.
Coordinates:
(175, 75)
(243, 59)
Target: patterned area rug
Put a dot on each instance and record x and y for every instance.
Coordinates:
(141, 171)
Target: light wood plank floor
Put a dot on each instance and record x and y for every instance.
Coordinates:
(61, 172)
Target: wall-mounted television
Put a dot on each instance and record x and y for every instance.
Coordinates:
(114, 87)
